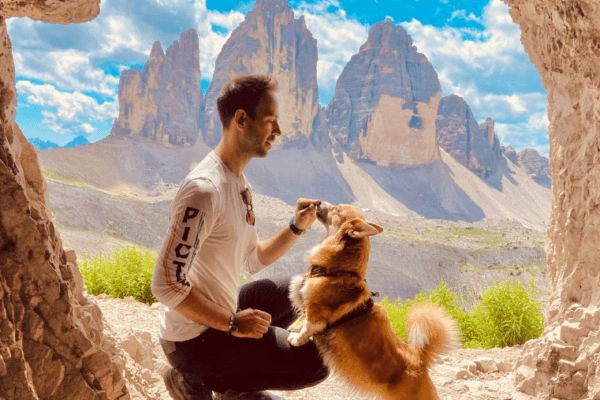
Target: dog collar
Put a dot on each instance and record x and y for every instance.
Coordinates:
(319, 270)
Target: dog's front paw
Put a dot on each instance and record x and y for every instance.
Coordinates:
(296, 340)
(294, 328)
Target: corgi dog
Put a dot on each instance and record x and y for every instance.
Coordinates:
(351, 331)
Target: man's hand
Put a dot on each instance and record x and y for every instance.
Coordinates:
(306, 213)
(252, 324)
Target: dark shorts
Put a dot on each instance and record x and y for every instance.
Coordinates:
(221, 362)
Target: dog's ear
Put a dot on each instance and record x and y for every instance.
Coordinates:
(362, 228)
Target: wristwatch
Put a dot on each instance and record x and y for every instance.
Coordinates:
(295, 229)
(233, 323)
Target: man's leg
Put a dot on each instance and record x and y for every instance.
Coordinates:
(245, 365)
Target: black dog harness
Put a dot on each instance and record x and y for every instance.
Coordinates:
(362, 309)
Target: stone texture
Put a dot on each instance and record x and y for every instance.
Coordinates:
(386, 100)
(48, 329)
(562, 38)
(163, 102)
(474, 146)
(537, 166)
(270, 41)
(52, 11)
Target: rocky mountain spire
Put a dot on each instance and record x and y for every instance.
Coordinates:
(474, 146)
(163, 101)
(386, 101)
(270, 41)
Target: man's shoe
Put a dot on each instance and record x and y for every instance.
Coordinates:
(231, 395)
(174, 384)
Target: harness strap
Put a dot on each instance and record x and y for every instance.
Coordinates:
(359, 311)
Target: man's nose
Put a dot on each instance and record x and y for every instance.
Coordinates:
(276, 129)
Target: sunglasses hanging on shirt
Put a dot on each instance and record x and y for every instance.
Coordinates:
(247, 198)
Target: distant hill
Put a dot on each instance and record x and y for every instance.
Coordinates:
(46, 144)
(43, 144)
(78, 141)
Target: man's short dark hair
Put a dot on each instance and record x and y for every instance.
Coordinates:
(244, 93)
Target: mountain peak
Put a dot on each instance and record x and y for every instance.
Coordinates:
(157, 50)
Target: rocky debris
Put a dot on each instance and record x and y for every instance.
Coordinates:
(163, 101)
(537, 166)
(466, 374)
(386, 100)
(270, 41)
(472, 145)
(562, 39)
(51, 341)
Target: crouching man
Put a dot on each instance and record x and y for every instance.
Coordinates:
(219, 338)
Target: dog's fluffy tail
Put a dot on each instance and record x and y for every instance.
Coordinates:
(431, 329)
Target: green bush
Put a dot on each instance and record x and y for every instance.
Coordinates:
(120, 274)
(506, 315)
(126, 273)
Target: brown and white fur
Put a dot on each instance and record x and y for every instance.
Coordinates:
(365, 352)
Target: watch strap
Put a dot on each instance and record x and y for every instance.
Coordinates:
(295, 229)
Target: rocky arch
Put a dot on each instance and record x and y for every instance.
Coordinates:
(51, 342)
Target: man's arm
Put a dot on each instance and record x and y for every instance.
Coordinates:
(275, 246)
(198, 308)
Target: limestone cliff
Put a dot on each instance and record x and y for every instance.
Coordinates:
(474, 146)
(51, 341)
(537, 166)
(163, 101)
(562, 38)
(270, 41)
(386, 101)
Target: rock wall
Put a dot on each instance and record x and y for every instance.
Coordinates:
(386, 101)
(270, 41)
(51, 341)
(474, 146)
(562, 38)
(164, 101)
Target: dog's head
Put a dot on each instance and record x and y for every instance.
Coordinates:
(347, 245)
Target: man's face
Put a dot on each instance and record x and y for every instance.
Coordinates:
(263, 130)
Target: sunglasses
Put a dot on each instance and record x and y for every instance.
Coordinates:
(247, 197)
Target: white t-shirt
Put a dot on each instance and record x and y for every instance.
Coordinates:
(207, 244)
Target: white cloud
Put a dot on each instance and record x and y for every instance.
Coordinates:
(338, 39)
(462, 14)
(66, 112)
(87, 128)
(67, 69)
(532, 133)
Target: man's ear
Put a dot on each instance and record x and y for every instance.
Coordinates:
(362, 228)
(240, 118)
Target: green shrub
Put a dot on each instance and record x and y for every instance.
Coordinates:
(126, 273)
(120, 274)
(506, 315)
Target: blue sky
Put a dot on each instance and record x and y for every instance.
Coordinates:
(68, 76)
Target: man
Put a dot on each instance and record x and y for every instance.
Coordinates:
(217, 339)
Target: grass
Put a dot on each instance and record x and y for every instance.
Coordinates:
(506, 315)
(124, 273)
(60, 177)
